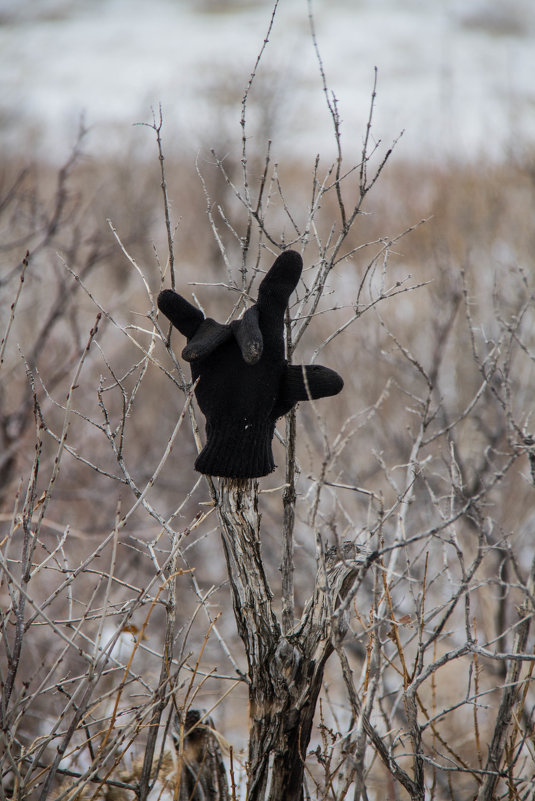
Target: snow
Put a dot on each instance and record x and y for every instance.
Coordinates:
(457, 77)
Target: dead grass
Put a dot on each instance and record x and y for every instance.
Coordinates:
(475, 260)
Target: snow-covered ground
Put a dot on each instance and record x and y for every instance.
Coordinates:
(457, 75)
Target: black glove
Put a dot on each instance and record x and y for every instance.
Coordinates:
(245, 383)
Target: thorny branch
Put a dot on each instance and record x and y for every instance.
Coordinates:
(387, 583)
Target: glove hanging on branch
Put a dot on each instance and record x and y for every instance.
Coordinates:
(245, 383)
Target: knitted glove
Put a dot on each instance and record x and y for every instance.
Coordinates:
(245, 383)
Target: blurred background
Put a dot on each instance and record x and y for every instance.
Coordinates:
(455, 75)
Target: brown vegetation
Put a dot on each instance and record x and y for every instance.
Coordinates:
(116, 614)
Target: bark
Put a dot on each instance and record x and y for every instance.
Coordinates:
(285, 670)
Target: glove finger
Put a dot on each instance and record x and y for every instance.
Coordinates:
(306, 382)
(209, 336)
(183, 315)
(281, 280)
(248, 336)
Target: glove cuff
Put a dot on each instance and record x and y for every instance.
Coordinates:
(237, 449)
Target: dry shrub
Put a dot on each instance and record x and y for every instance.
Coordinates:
(425, 456)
